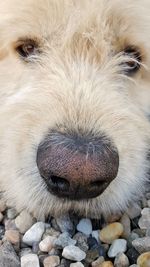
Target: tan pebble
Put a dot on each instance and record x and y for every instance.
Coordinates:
(2, 205)
(1, 217)
(51, 261)
(12, 236)
(47, 243)
(24, 221)
(106, 264)
(144, 260)
(111, 232)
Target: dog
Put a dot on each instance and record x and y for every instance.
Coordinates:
(75, 105)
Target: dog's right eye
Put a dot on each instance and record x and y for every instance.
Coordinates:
(27, 48)
(134, 63)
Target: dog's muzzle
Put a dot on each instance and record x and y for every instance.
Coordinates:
(76, 166)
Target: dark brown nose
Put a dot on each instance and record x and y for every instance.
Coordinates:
(77, 167)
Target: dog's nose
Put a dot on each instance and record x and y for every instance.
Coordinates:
(77, 167)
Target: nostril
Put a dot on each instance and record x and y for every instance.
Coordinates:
(99, 183)
(60, 183)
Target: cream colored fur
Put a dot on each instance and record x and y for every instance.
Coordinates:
(75, 82)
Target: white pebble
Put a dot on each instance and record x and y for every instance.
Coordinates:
(30, 260)
(47, 244)
(73, 253)
(118, 246)
(85, 226)
(34, 234)
(76, 264)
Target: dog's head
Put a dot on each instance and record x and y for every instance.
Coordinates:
(75, 100)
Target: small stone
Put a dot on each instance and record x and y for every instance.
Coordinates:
(30, 260)
(51, 232)
(92, 255)
(64, 240)
(65, 224)
(2, 205)
(34, 234)
(121, 260)
(10, 225)
(98, 262)
(111, 232)
(85, 226)
(51, 261)
(132, 255)
(134, 265)
(1, 217)
(8, 257)
(144, 260)
(11, 213)
(125, 221)
(76, 264)
(73, 253)
(134, 211)
(81, 241)
(144, 221)
(47, 244)
(96, 234)
(142, 244)
(148, 232)
(24, 221)
(35, 247)
(65, 263)
(12, 236)
(25, 251)
(132, 237)
(107, 264)
(118, 246)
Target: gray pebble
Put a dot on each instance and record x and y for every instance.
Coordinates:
(34, 234)
(85, 226)
(81, 241)
(11, 213)
(142, 244)
(144, 221)
(121, 260)
(118, 246)
(64, 240)
(30, 260)
(73, 253)
(8, 257)
(65, 224)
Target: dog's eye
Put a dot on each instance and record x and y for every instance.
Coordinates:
(134, 62)
(27, 48)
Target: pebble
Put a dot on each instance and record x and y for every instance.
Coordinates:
(91, 255)
(144, 221)
(121, 260)
(2, 205)
(12, 236)
(125, 221)
(85, 226)
(11, 213)
(98, 262)
(73, 253)
(76, 264)
(144, 260)
(106, 264)
(51, 261)
(111, 232)
(1, 217)
(81, 240)
(142, 244)
(118, 246)
(65, 224)
(8, 257)
(52, 232)
(134, 211)
(34, 234)
(96, 234)
(47, 243)
(24, 221)
(132, 237)
(64, 240)
(132, 255)
(30, 260)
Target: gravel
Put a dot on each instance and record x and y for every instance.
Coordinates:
(71, 241)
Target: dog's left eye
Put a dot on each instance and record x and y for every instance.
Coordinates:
(134, 63)
(27, 48)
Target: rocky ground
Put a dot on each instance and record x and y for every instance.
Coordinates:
(69, 241)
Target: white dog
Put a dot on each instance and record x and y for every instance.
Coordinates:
(75, 101)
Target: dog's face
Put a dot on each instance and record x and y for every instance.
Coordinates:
(75, 101)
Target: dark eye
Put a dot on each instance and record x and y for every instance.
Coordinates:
(27, 48)
(134, 63)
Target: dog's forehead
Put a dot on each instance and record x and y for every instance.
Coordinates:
(96, 20)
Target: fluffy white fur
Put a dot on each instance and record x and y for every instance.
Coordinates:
(77, 80)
